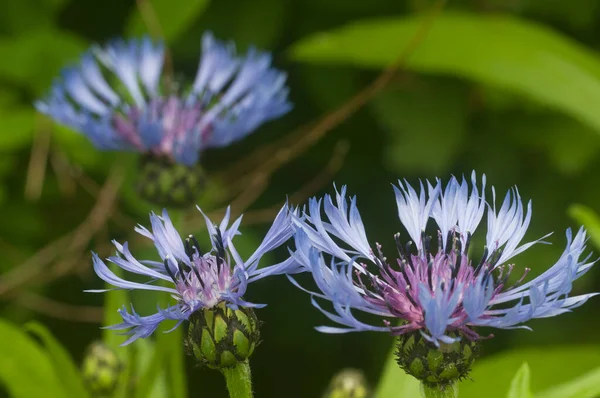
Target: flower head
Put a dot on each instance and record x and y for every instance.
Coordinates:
(117, 97)
(437, 289)
(199, 279)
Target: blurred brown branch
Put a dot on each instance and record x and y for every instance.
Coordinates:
(56, 309)
(269, 158)
(65, 248)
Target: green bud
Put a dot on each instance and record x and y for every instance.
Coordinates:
(101, 369)
(220, 337)
(436, 367)
(348, 383)
(165, 183)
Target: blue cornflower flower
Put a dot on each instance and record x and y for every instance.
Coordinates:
(201, 280)
(117, 98)
(440, 293)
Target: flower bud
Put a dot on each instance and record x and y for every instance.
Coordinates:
(220, 337)
(348, 383)
(436, 367)
(165, 183)
(101, 369)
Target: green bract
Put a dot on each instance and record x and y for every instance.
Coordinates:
(220, 337)
(435, 367)
(166, 183)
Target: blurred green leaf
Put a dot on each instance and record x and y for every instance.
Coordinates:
(586, 386)
(16, 128)
(590, 220)
(419, 142)
(174, 17)
(25, 369)
(257, 22)
(23, 56)
(170, 342)
(114, 299)
(151, 368)
(18, 16)
(518, 55)
(394, 382)
(519, 385)
(578, 14)
(551, 366)
(570, 145)
(78, 148)
(68, 372)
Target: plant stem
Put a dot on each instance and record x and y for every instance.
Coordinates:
(239, 380)
(450, 391)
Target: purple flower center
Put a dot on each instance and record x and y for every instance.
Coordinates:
(205, 279)
(164, 126)
(447, 274)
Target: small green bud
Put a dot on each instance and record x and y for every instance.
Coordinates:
(101, 369)
(436, 367)
(348, 383)
(220, 337)
(165, 183)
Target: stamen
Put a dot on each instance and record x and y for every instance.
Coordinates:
(467, 243)
(191, 244)
(483, 260)
(220, 247)
(401, 251)
(449, 238)
(168, 269)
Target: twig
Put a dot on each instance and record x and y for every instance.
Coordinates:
(334, 165)
(94, 222)
(36, 172)
(62, 170)
(34, 268)
(56, 309)
(300, 140)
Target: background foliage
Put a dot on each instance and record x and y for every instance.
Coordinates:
(508, 88)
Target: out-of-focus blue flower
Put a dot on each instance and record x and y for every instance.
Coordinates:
(201, 280)
(117, 97)
(438, 292)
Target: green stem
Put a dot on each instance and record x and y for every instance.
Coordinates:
(450, 391)
(239, 380)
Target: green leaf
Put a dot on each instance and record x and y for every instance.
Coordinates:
(590, 220)
(553, 365)
(571, 145)
(171, 344)
(151, 370)
(174, 17)
(114, 299)
(25, 369)
(517, 55)
(16, 128)
(18, 16)
(79, 149)
(259, 23)
(519, 385)
(394, 382)
(22, 57)
(417, 141)
(68, 372)
(586, 386)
